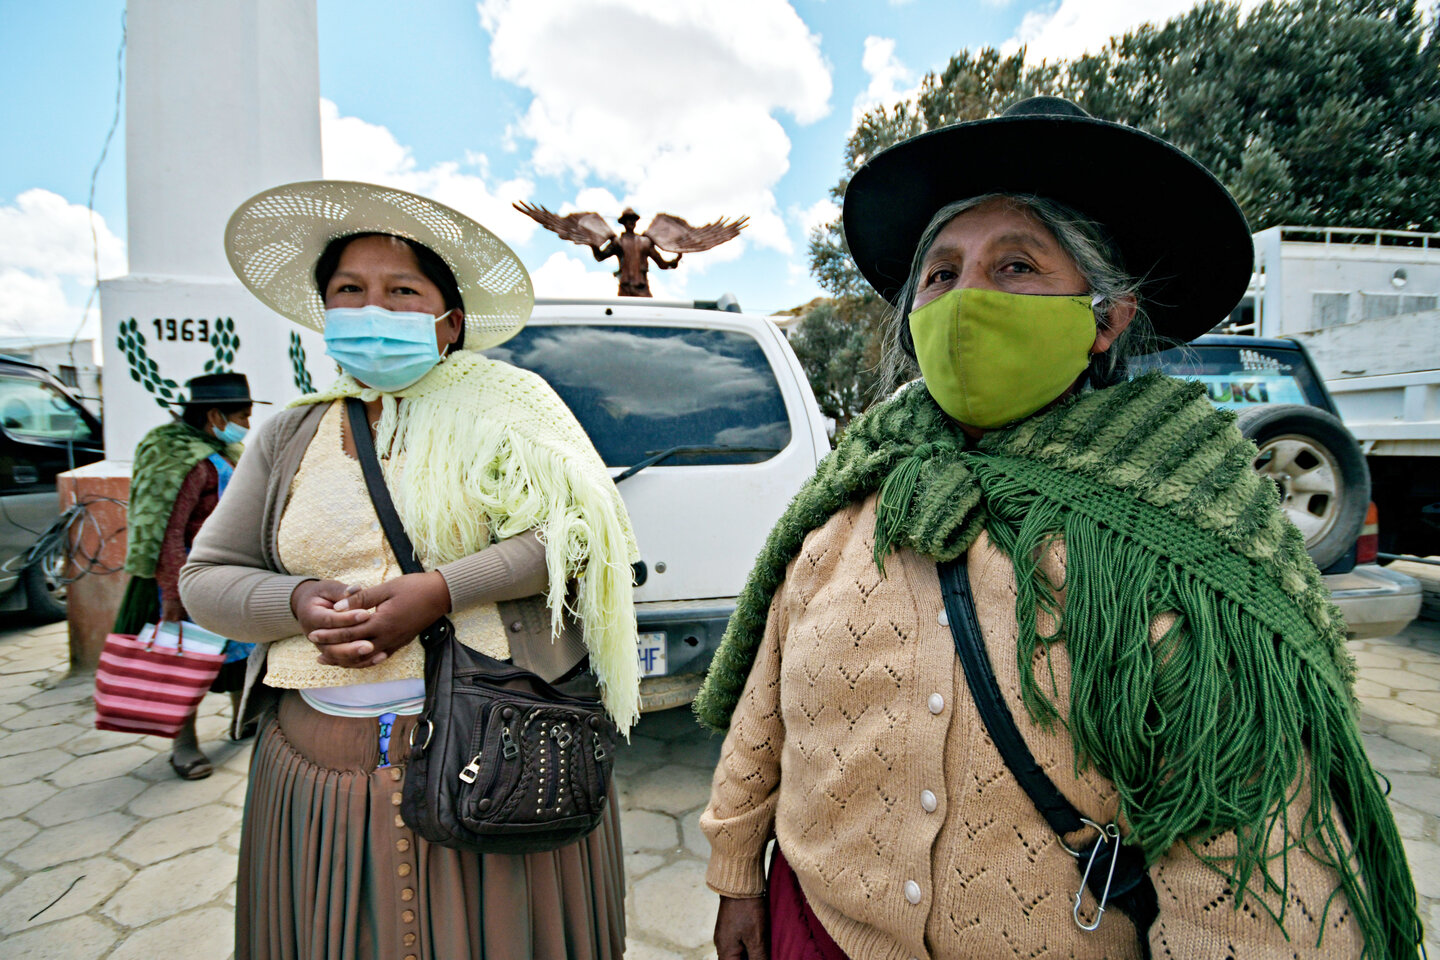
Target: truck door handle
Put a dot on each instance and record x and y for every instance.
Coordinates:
(24, 473)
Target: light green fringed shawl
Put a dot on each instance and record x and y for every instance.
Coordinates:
(502, 454)
(1153, 491)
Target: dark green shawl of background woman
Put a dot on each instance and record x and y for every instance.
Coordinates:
(1205, 730)
(163, 459)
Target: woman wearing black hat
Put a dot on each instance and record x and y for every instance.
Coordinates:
(1034, 665)
(181, 470)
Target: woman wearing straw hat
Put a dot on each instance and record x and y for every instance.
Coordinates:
(521, 535)
(181, 470)
(1034, 665)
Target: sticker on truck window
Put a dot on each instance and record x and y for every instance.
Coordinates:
(652, 655)
(1250, 389)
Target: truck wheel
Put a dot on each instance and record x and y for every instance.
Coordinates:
(1317, 464)
(45, 588)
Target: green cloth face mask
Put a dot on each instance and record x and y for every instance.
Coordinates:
(990, 358)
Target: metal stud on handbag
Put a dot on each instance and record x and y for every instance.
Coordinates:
(500, 761)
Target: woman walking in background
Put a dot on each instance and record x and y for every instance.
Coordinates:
(525, 545)
(181, 469)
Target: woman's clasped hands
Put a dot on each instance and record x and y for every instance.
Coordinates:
(361, 626)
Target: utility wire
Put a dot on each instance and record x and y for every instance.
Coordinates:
(79, 537)
(94, 176)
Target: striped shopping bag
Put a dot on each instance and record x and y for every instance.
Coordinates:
(142, 688)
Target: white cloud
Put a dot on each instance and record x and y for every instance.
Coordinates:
(565, 276)
(674, 103)
(890, 80)
(598, 200)
(818, 214)
(46, 234)
(47, 264)
(1068, 28)
(355, 149)
(31, 305)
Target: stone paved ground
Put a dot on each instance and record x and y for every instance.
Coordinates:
(104, 853)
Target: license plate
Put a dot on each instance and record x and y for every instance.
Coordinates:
(652, 654)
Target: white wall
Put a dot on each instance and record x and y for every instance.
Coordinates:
(131, 407)
(222, 101)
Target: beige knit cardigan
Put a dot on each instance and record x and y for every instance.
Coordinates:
(857, 746)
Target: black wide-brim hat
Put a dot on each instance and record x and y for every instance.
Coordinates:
(1176, 227)
(217, 389)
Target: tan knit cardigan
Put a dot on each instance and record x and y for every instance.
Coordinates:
(857, 746)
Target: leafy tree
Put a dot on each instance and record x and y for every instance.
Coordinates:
(1312, 112)
(1315, 112)
(833, 345)
(971, 87)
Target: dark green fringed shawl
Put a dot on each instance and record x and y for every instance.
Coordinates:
(162, 461)
(1153, 492)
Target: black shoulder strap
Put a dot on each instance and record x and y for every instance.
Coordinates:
(379, 492)
(1130, 887)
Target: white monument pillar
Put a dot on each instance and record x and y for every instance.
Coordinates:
(222, 100)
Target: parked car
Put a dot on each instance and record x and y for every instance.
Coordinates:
(709, 427)
(44, 431)
(1281, 403)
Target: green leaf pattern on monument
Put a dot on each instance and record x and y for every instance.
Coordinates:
(146, 372)
(226, 341)
(143, 369)
(298, 368)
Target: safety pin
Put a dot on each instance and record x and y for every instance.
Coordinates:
(1109, 833)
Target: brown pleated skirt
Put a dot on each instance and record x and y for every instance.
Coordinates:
(329, 871)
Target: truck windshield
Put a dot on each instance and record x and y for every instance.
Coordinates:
(1241, 377)
(639, 390)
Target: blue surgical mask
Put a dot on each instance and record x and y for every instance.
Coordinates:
(232, 432)
(384, 349)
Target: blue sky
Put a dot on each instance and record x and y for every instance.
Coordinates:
(741, 107)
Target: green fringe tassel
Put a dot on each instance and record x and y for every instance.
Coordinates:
(1150, 716)
(897, 492)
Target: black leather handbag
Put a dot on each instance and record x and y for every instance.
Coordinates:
(500, 761)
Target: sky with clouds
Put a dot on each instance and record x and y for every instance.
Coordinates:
(694, 107)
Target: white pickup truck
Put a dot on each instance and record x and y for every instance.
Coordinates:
(1366, 305)
(709, 427)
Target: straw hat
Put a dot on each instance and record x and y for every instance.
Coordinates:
(274, 239)
(1177, 228)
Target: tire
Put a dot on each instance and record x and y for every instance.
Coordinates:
(44, 592)
(1317, 464)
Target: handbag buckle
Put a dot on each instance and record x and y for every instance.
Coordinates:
(429, 732)
(562, 736)
(472, 769)
(508, 748)
(600, 753)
